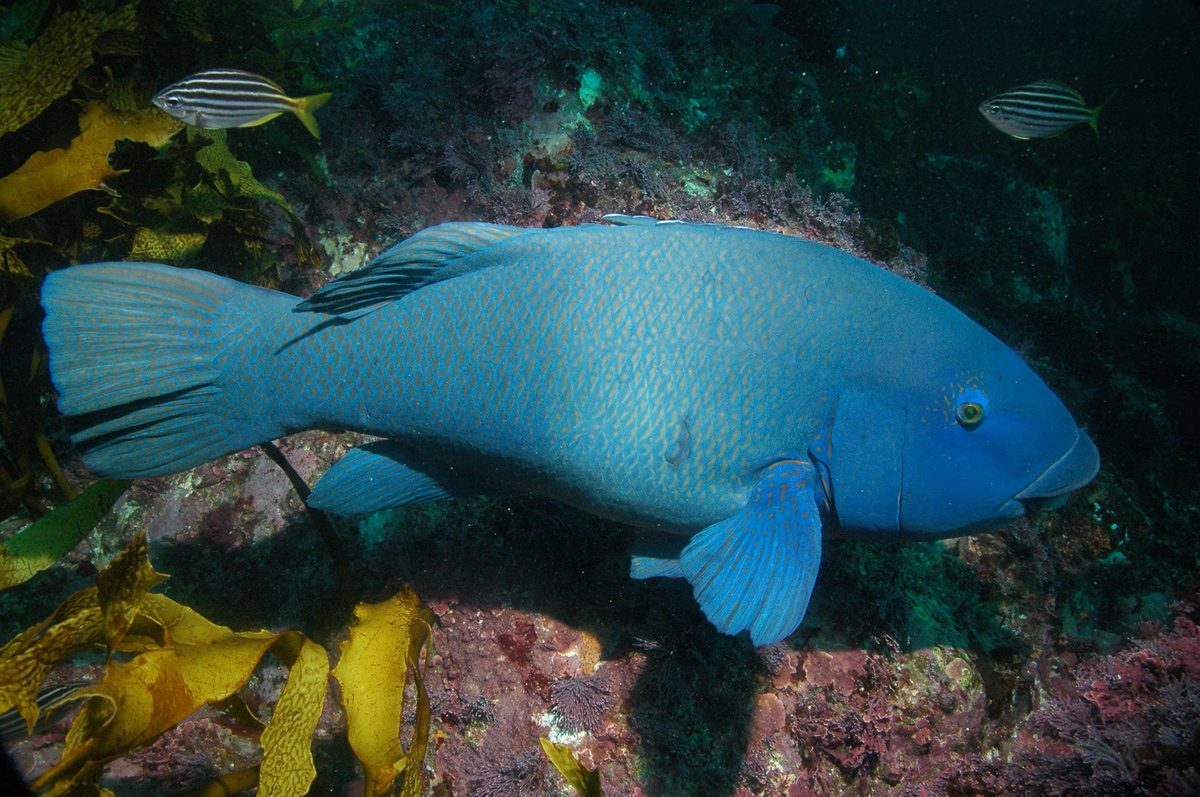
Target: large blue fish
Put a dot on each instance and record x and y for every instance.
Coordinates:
(744, 390)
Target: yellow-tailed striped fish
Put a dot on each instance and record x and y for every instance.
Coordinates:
(1039, 110)
(233, 98)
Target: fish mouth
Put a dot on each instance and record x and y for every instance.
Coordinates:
(1073, 470)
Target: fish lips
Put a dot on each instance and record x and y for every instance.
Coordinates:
(1072, 470)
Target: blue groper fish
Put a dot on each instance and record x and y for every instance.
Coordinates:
(744, 390)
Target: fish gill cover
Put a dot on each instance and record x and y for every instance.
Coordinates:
(1049, 656)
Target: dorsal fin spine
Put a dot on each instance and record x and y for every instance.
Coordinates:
(432, 255)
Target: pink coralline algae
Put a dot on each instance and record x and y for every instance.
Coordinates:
(1129, 723)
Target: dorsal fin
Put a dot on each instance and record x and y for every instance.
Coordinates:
(430, 256)
(621, 220)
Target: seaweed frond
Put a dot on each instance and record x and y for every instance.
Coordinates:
(37, 75)
(47, 177)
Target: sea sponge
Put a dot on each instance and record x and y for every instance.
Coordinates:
(50, 176)
(33, 77)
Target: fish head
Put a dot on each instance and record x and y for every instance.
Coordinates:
(954, 454)
(1003, 118)
(171, 103)
(991, 109)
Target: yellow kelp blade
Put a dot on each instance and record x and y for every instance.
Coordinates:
(32, 654)
(585, 781)
(47, 177)
(184, 661)
(287, 767)
(79, 789)
(372, 671)
(201, 662)
(122, 587)
(50, 538)
(37, 75)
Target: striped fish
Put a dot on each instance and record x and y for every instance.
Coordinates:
(233, 98)
(13, 726)
(1039, 110)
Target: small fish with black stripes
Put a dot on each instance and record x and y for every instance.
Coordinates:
(52, 704)
(217, 98)
(1039, 110)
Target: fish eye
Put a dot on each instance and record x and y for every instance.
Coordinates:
(171, 102)
(969, 414)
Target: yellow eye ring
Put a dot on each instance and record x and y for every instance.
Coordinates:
(969, 414)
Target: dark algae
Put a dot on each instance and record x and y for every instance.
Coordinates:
(484, 636)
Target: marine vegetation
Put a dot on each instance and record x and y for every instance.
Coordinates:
(165, 661)
(86, 161)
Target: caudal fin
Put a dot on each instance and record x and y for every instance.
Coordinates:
(305, 107)
(1094, 113)
(137, 353)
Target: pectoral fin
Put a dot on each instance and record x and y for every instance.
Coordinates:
(755, 570)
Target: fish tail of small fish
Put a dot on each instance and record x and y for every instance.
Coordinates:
(304, 108)
(1094, 113)
(145, 359)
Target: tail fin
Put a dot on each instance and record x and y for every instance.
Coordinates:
(305, 107)
(136, 353)
(1094, 113)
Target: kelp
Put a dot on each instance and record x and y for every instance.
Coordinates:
(11, 262)
(34, 76)
(199, 662)
(47, 177)
(154, 246)
(190, 17)
(122, 586)
(209, 210)
(51, 537)
(586, 782)
(181, 661)
(373, 670)
(235, 176)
